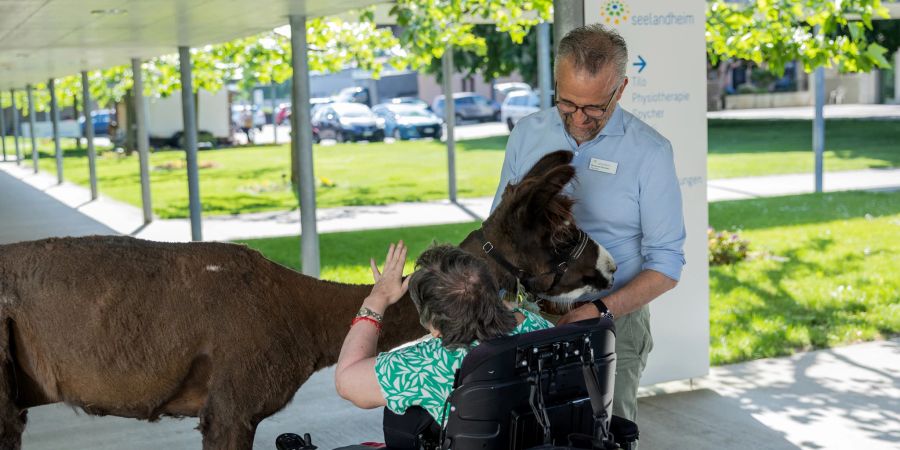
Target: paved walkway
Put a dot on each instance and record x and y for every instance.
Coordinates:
(127, 219)
(843, 398)
(808, 112)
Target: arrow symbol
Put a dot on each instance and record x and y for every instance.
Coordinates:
(641, 63)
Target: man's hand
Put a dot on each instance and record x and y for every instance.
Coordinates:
(389, 283)
(583, 312)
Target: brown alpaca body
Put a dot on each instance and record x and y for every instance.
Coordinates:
(126, 327)
(174, 323)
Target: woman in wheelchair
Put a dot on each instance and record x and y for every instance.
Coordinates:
(458, 303)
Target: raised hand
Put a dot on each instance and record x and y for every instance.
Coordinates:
(389, 283)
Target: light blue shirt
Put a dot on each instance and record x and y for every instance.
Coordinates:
(634, 212)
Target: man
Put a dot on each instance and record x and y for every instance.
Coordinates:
(627, 195)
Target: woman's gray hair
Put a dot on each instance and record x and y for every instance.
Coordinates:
(593, 47)
(457, 295)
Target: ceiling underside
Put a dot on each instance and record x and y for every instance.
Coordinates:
(40, 39)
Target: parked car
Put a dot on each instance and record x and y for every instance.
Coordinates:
(409, 101)
(347, 122)
(406, 121)
(501, 90)
(467, 106)
(354, 94)
(517, 105)
(101, 119)
(283, 116)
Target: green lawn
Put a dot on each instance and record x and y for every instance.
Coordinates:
(251, 179)
(824, 274)
(743, 148)
(345, 256)
(824, 270)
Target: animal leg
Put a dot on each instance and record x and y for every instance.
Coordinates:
(12, 418)
(226, 433)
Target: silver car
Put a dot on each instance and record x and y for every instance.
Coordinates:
(467, 106)
(517, 105)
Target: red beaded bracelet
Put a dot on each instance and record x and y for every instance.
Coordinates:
(366, 319)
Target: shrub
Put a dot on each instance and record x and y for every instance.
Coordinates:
(726, 247)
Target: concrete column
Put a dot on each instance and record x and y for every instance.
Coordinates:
(301, 146)
(868, 86)
(143, 139)
(450, 118)
(819, 124)
(567, 15)
(274, 108)
(54, 119)
(189, 117)
(89, 132)
(544, 83)
(2, 128)
(897, 77)
(35, 156)
(15, 124)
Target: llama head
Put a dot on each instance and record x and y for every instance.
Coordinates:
(531, 237)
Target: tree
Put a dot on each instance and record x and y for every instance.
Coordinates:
(502, 56)
(887, 34)
(429, 26)
(817, 33)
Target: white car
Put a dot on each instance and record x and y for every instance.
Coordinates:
(501, 90)
(517, 105)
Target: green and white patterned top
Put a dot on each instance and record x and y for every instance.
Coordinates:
(421, 373)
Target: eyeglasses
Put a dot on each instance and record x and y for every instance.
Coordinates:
(593, 111)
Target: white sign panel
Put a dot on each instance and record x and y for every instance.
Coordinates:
(667, 89)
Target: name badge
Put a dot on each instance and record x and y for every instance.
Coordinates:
(604, 166)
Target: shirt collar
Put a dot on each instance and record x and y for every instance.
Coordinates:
(615, 127)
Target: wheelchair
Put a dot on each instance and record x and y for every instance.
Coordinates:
(548, 389)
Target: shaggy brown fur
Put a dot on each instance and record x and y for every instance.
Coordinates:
(141, 329)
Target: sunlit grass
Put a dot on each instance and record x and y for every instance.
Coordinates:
(253, 179)
(824, 270)
(824, 273)
(743, 148)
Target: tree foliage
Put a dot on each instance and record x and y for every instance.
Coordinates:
(502, 56)
(817, 33)
(428, 28)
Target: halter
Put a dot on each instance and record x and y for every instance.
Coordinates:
(525, 277)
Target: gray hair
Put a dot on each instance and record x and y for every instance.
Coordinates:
(456, 294)
(593, 47)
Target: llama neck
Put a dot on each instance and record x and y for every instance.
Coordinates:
(335, 306)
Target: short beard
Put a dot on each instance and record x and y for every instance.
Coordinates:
(567, 122)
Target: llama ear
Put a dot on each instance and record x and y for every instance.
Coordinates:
(549, 162)
(550, 185)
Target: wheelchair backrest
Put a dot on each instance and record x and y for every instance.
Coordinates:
(493, 403)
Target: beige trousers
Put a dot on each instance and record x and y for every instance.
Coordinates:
(633, 344)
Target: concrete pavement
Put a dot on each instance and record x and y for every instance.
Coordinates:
(890, 112)
(804, 183)
(127, 219)
(843, 398)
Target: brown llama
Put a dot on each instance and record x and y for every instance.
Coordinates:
(132, 328)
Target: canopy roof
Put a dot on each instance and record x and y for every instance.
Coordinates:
(40, 39)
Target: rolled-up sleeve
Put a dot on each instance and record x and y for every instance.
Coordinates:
(662, 219)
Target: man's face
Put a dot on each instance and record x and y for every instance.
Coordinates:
(583, 89)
